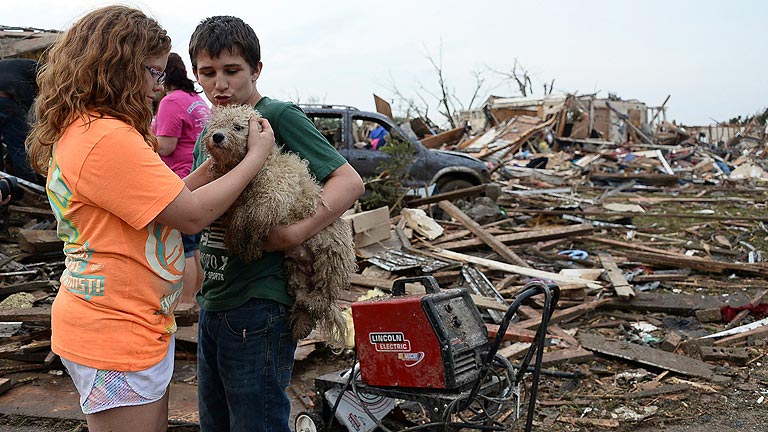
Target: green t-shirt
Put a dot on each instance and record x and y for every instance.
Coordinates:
(229, 282)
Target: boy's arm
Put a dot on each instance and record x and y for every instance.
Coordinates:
(342, 188)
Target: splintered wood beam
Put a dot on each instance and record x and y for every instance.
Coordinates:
(667, 259)
(528, 312)
(525, 271)
(566, 314)
(370, 282)
(699, 264)
(514, 333)
(672, 304)
(24, 287)
(623, 289)
(651, 357)
(636, 215)
(567, 355)
(477, 230)
(37, 314)
(39, 241)
(526, 237)
(452, 195)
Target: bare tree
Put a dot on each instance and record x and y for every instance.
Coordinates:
(447, 101)
(411, 105)
(548, 90)
(444, 97)
(520, 76)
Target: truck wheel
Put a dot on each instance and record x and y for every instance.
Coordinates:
(308, 422)
(453, 184)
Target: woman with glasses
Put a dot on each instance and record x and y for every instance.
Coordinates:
(181, 117)
(119, 210)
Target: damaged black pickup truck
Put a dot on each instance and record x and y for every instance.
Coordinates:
(351, 130)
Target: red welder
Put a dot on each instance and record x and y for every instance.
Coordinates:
(432, 349)
(434, 340)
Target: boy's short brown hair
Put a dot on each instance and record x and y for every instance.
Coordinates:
(217, 33)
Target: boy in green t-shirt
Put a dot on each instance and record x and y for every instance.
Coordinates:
(245, 348)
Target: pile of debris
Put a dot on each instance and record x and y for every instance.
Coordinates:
(656, 237)
(662, 288)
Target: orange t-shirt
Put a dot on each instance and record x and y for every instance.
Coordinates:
(114, 309)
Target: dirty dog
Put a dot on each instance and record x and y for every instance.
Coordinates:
(284, 192)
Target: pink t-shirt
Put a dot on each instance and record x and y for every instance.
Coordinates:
(182, 115)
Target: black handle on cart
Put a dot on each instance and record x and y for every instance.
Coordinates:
(551, 293)
(429, 282)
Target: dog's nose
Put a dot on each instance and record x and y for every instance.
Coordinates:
(218, 137)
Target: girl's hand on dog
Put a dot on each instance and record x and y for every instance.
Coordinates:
(261, 138)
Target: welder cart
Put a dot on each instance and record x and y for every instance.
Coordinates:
(431, 349)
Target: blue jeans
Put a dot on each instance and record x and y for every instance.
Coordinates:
(14, 129)
(244, 365)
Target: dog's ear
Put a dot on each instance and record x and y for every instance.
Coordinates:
(255, 116)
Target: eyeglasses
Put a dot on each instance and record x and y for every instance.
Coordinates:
(158, 75)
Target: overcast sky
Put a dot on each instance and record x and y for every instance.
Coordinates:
(708, 55)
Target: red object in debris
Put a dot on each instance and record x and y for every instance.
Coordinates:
(435, 340)
(728, 312)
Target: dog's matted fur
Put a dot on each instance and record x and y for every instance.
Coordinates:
(283, 192)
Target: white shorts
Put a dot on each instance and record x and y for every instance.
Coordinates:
(104, 389)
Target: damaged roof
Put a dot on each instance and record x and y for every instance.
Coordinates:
(25, 42)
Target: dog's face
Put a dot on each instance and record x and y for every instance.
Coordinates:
(226, 137)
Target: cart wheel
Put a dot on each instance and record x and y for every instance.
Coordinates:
(308, 422)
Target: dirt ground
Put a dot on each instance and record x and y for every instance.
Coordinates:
(739, 406)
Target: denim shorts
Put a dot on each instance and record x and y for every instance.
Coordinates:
(244, 365)
(191, 244)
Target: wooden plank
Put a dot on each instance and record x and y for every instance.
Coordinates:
(488, 303)
(634, 215)
(5, 385)
(525, 237)
(39, 241)
(673, 304)
(477, 230)
(514, 333)
(569, 355)
(515, 350)
(452, 195)
(496, 265)
(382, 106)
(369, 282)
(531, 313)
(24, 287)
(660, 256)
(31, 210)
(651, 357)
(699, 264)
(642, 178)
(448, 137)
(420, 127)
(676, 277)
(757, 333)
(566, 314)
(37, 314)
(620, 284)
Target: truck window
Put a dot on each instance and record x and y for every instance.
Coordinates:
(369, 133)
(330, 126)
